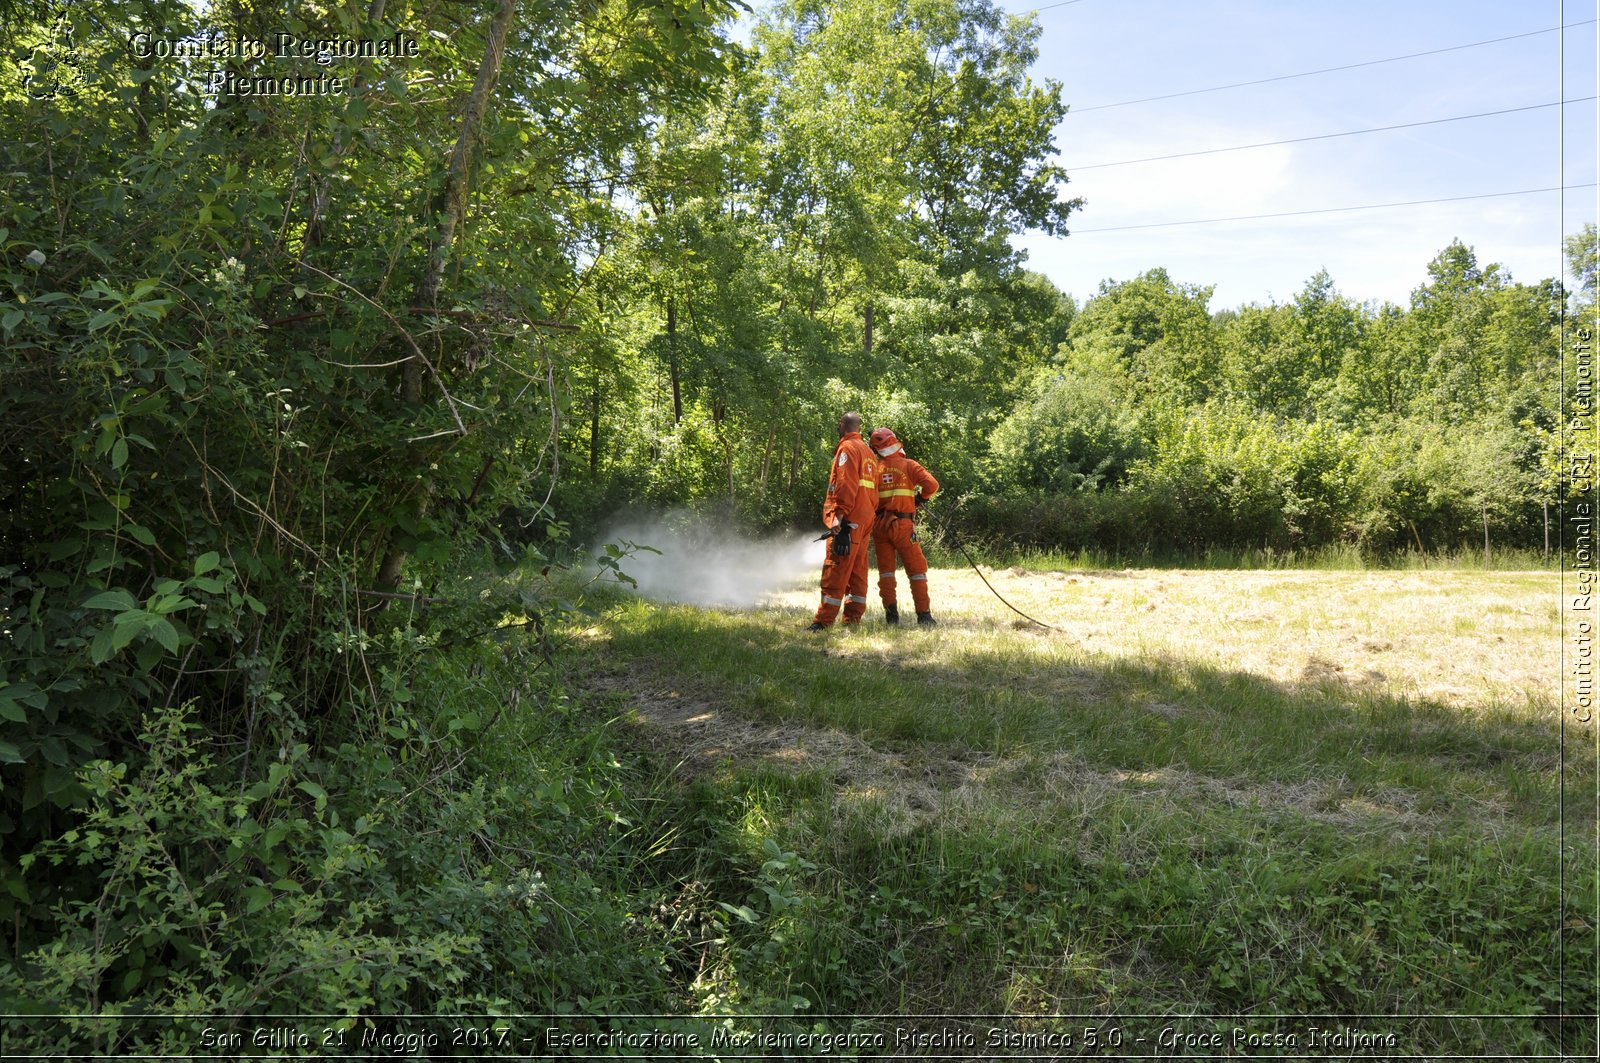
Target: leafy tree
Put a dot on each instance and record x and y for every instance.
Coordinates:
(1582, 250)
(1071, 433)
(1327, 329)
(1157, 332)
(1262, 364)
(841, 214)
(1380, 376)
(270, 367)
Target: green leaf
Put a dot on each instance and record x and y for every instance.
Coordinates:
(55, 780)
(142, 534)
(165, 634)
(12, 711)
(119, 453)
(101, 650)
(9, 754)
(116, 598)
(172, 603)
(318, 794)
(206, 562)
(148, 656)
(126, 629)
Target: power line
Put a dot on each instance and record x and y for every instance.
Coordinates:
(1330, 136)
(1326, 70)
(1049, 7)
(1331, 210)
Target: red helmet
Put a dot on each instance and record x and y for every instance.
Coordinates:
(884, 442)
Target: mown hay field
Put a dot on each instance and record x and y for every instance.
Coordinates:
(1206, 795)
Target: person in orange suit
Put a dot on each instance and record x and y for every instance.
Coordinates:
(848, 511)
(903, 485)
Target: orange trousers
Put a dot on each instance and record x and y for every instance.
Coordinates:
(844, 581)
(897, 534)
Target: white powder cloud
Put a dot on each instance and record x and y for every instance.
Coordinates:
(696, 562)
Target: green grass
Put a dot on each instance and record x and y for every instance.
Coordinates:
(1160, 819)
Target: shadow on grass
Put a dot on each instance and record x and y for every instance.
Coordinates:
(1130, 903)
(917, 688)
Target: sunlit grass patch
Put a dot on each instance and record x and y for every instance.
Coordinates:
(1325, 681)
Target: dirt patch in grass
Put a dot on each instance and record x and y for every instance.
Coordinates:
(701, 736)
(907, 788)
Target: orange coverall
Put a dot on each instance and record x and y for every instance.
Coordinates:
(900, 482)
(852, 497)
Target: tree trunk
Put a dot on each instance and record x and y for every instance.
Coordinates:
(320, 184)
(453, 208)
(594, 429)
(1485, 534)
(458, 179)
(672, 360)
(866, 340)
(766, 461)
(719, 415)
(1547, 533)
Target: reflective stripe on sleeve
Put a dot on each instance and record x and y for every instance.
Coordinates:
(897, 492)
(864, 482)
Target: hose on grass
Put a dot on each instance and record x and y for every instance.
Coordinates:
(946, 533)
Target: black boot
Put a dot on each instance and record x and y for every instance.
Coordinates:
(817, 625)
(926, 619)
(891, 614)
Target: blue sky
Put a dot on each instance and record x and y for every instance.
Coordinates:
(1107, 51)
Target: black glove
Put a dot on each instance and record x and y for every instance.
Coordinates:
(841, 540)
(921, 501)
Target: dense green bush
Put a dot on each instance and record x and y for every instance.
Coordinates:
(1221, 475)
(479, 852)
(266, 402)
(1074, 432)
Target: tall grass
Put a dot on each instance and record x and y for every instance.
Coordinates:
(1330, 558)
